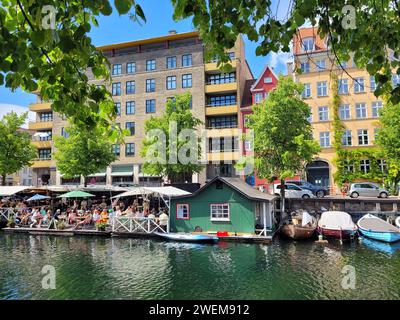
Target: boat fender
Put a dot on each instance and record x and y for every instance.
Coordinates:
(397, 222)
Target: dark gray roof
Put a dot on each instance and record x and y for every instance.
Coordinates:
(240, 186)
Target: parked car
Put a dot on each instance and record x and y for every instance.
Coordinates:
(293, 191)
(316, 190)
(367, 189)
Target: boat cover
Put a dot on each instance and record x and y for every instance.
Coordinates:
(307, 218)
(336, 220)
(370, 222)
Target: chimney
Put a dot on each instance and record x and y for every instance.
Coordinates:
(172, 32)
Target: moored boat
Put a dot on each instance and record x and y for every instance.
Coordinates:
(300, 227)
(337, 224)
(187, 237)
(378, 229)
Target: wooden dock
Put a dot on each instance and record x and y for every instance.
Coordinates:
(54, 232)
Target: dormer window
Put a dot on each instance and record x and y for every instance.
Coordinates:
(267, 80)
(308, 44)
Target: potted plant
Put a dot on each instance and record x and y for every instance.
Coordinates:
(11, 223)
(101, 225)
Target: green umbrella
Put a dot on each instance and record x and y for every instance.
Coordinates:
(76, 194)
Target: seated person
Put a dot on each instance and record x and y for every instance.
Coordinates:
(72, 217)
(96, 215)
(36, 218)
(86, 221)
(46, 219)
(104, 215)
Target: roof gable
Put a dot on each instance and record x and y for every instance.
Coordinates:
(239, 186)
(267, 72)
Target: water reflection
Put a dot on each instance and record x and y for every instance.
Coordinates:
(113, 268)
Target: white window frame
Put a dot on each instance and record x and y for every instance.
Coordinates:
(376, 106)
(325, 137)
(363, 133)
(359, 85)
(308, 44)
(179, 213)
(344, 109)
(307, 91)
(258, 97)
(322, 89)
(361, 113)
(268, 80)
(323, 113)
(343, 83)
(222, 206)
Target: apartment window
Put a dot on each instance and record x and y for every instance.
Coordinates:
(320, 64)
(222, 78)
(64, 133)
(349, 167)
(361, 110)
(359, 85)
(343, 86)
(117, 106)
(324, 139)
(150, 85)
(346, 138)
(372, 83)
(362, 137)
(395, 80)
(258, 97)
(267, 80)
(364, 166)
(150, 65)
(216, 101)
(382, 165)
(305, 67)
(130, 87)
(116, 89)
(182, 211)
(223, 144)
(322, 89)
(186, 60)
(150, 106)
(220, 212)
(376, 106)
(131, 127)
(44, 154)
(187, 80)
(130, 107)
(116, 149)
(323, 114)
(171, 62)
(310, 118)
(307, 91)
(222, 122)
(344, 111)
(129, 149)
(308, 44)
(131, 67)
(248, 146)
(46, 135)
(116, 69)
(46, 116)
(171, 82)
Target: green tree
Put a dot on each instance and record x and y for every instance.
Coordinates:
(283, 140)
(351, 29)
(15, 145)
(388, 140)
(172, 147)
(52, 58)
(83, 152)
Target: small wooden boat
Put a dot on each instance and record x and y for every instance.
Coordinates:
(337, 224)
(378, 229)
(300, 227)
(187, 237)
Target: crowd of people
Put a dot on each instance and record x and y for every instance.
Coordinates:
(81, 213)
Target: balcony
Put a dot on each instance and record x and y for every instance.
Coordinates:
(222, 87)
(42, 144)
(212, 66)
(223, 156)
(221, 110)
(39, 107)
(223, 132)
(40, 125)
(42, 163)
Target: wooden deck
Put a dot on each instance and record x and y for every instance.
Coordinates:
(54, 232)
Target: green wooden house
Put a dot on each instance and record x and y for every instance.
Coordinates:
(223, 204)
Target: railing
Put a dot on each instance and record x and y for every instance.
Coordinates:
(5, 213)
(136, 225)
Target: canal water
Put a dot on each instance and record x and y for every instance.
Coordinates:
(112, 268)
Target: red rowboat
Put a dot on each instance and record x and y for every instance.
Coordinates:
(337, 224)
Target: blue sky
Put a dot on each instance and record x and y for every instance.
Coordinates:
(115, 28)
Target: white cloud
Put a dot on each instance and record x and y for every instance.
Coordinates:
(6, 108)
(278, 60)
